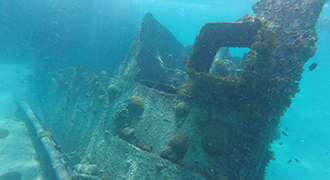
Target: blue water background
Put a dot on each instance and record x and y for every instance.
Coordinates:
(99, 34)
(308, 124)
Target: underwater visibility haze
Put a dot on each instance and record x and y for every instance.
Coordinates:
(164, 89)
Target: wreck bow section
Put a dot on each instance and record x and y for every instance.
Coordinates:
(159, 118)
(155, 57)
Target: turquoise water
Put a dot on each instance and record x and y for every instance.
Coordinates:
(185, 19)
(308, 125)
(68, 32)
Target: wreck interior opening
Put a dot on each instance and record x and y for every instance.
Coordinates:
(229, 61)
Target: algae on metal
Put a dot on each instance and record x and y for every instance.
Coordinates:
(279, 47)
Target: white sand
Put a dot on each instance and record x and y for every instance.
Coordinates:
(16, 150)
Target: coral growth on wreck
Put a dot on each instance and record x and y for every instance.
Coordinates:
(182, 109)
(137, 105)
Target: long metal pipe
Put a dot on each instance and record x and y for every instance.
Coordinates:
(48, 144)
